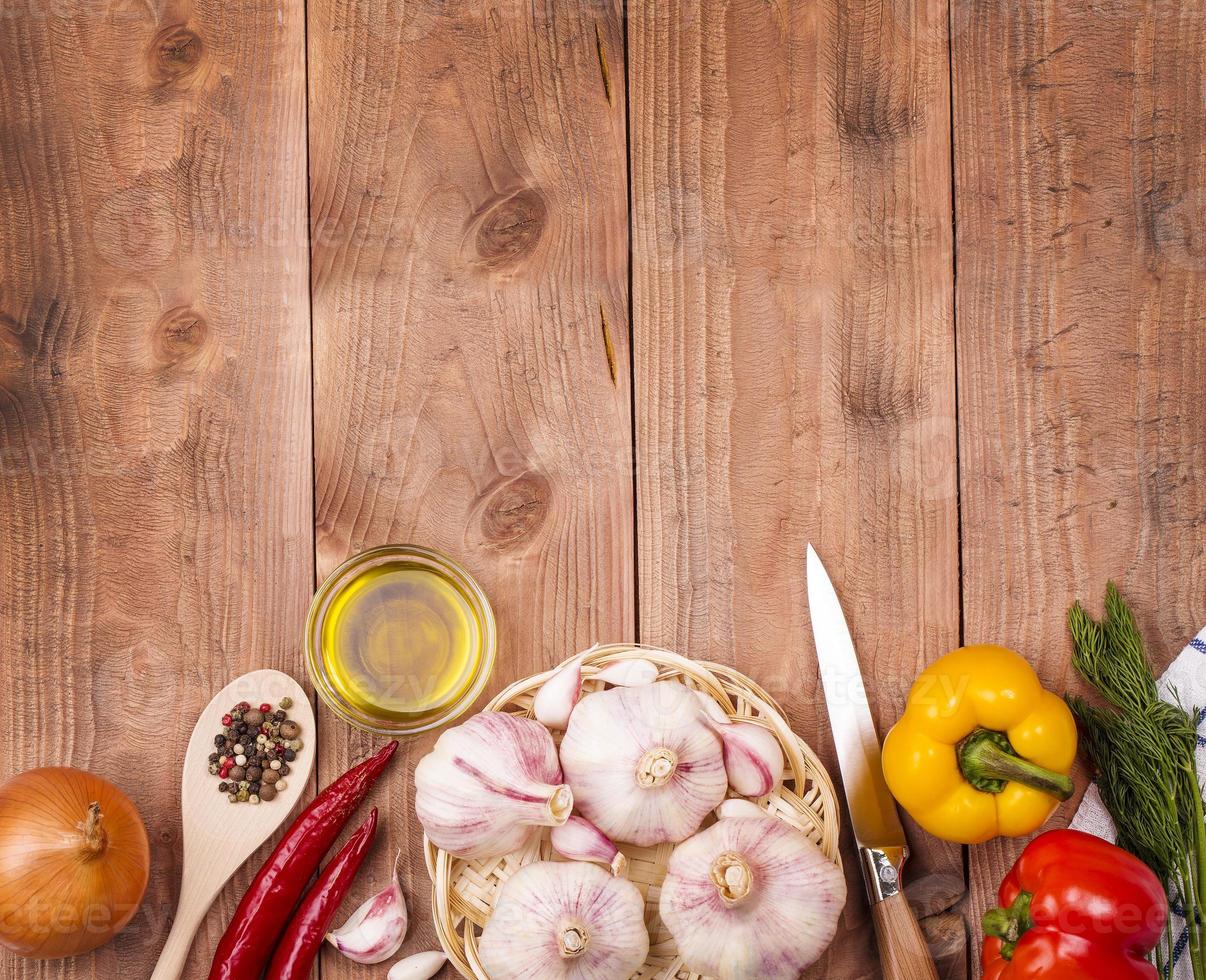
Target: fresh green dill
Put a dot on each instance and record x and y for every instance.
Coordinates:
(1144, 751)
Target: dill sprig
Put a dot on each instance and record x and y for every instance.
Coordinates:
(1144, 750)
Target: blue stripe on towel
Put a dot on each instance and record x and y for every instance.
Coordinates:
(1198, 644)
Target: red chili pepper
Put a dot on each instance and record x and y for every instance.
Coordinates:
(262, 915)
(298, 948)
(1074, 907)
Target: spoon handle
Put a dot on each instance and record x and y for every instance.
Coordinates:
(179, 942)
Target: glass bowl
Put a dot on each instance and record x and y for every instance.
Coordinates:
(399, 640)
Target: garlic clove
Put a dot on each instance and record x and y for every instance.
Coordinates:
(580, 840)
(374, 932)
(565, 921)
(489, 784)
(557, 696)
(716, 714)
(421, 966)
(628, 673)
(753, 757)
(751, 897)
(644, 764)
(737, 807)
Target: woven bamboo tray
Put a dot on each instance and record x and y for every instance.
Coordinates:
(464, 891)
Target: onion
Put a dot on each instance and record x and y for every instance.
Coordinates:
(74, 862)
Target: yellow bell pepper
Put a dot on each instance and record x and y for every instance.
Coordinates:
(981, 749)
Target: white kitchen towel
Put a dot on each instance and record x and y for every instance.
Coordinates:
(1187, 677)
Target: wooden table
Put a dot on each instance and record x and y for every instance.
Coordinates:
(621, 308)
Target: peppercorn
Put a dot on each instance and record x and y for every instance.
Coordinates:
(290, 729)
(275, 764)
(238, 774)
(253, 799)
(254, 773)
(214, 768)
(242, 795)
(290, 755)
(255, 787)
(282, 786)
(254, 718)
(233, 797)
(219, 741)
(267, 793)
(286, 703)
(222, 787)
(279, 716)
(296, 745)
(270, 777)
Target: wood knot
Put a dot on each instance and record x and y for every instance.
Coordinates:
(515, 510)
(174, 54)
(880, 404)
(178, 335)
(511, 229)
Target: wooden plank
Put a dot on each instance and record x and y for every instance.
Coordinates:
(1081, 212)
(468, 205)
(155, 525)
(793, 348)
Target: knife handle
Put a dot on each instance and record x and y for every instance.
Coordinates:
(904, 953)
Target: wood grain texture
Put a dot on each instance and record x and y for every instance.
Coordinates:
(155, 525)
(1081, 199)
(793, 349)
(472, 366)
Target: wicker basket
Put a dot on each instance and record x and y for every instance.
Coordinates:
(464, 891)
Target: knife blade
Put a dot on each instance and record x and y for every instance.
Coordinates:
(882, 850)
(873, 814)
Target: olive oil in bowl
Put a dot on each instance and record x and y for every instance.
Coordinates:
(399, 639)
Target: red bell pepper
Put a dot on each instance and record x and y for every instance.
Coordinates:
(1074, 907)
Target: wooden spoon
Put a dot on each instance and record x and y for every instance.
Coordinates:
(218, 835)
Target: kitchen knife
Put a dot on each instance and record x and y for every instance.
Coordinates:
(882, 848)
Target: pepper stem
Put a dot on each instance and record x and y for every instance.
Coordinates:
(988, 761)
(95, 838)
(1009, 924)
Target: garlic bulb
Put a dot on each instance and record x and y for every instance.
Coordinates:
(374, 932)
(580, 840)
(628, 673)
(753, 757)
(644, 763)
(751, 898)
(488, 784)
(557, 696)
(565, 921)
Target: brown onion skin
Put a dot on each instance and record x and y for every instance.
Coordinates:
(58, 897)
